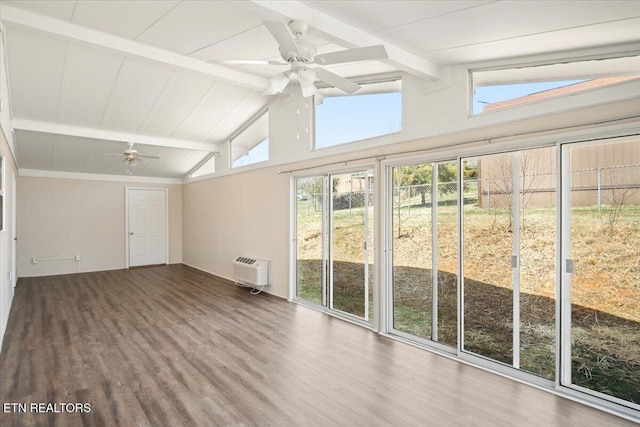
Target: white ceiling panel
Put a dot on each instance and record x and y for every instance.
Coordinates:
(194, 25)
(504, 20)
(256, 43)
(373, 16)
(180, 97)
(138, 86)
(69, 153)
(36, 65)
(214, 107)
(89, 78)
(34, 150)
(62, 10)
(126, 19)
(236, 117)
(576, 38)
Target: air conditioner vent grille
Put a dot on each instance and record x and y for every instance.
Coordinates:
(246, 260)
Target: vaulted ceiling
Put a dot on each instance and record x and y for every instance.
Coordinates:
(86, 77)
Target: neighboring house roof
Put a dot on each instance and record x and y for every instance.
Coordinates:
(565, 90)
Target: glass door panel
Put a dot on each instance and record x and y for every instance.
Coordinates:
(412, 255)
(446, 213)
(604, 287)
(425, 251)
(537, 249)
(350, 243)
(488, 228)
(310, 239)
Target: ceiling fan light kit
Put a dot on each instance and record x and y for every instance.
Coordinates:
(298, 53)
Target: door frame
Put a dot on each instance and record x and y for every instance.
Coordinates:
(126, 220)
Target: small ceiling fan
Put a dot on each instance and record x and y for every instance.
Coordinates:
(130, 156)
(299, 53)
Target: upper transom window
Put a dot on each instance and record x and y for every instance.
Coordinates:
(375, 110)
(495, 89)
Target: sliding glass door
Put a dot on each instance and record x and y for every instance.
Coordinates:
(508, 268)
(601, 261)
(499, 212)
(424, 251)
(334, 242)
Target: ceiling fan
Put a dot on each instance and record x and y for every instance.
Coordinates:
(299, 53)
(130, 156)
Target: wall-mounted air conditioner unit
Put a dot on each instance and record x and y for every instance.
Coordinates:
(251, 272)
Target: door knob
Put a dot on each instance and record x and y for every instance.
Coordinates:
(131, 233)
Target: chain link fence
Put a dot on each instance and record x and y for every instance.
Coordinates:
(599, 187)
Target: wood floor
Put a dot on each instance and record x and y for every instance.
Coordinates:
(172, 346)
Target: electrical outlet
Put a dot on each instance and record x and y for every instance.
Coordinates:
(77, 257)
(34, 260)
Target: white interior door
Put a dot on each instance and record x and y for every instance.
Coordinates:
(147, 232)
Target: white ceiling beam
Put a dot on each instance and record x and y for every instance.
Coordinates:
(109, 135)
(344, 34)
(69, 31)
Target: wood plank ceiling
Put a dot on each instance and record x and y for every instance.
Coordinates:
(88, 76)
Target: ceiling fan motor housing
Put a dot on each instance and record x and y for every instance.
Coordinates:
(306, 52)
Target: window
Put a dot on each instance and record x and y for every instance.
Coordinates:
(375, 111)
(251, 145)
(497, 89)
(259, 153)
(209, 166)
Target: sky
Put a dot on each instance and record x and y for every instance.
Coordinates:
(341, 119)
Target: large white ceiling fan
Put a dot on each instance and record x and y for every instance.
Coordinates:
(299, 53)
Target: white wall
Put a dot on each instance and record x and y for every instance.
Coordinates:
(61, 218)
(6, 264)
(248, 213)
(245, 214)
(7, 152)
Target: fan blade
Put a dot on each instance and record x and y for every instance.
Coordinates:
(352, 55)
(308, 91)
(283, 35)
(337, 81)
(278, 83)
(245, 62)
(112, 154)
(140, 156)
